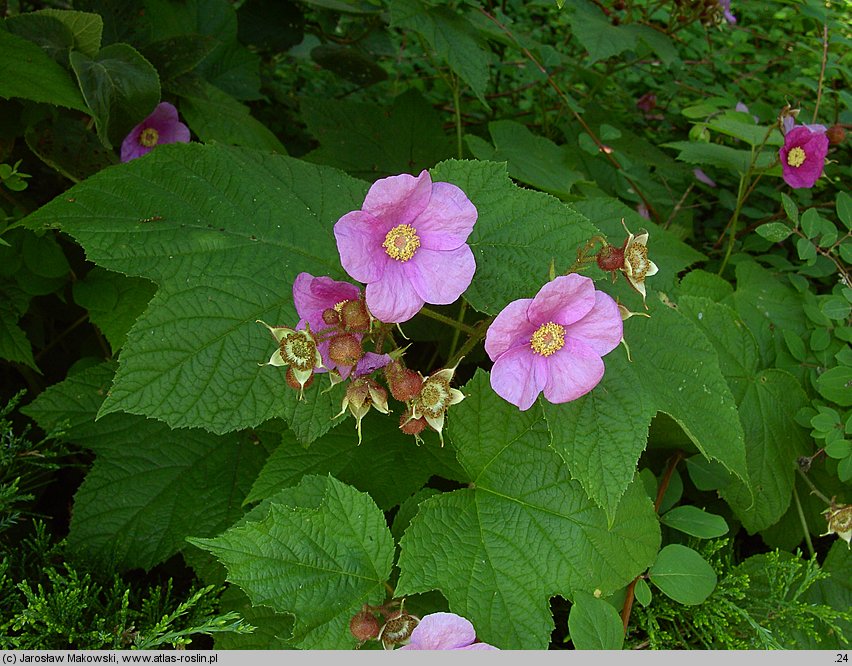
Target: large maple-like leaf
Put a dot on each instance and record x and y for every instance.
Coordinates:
(522, 532)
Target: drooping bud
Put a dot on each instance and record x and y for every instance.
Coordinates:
(412, 426)
(836, 134)
(435, 398)
(345, 349)
(404, 384)
(361, 394)
(364, 626)
(354, 316)
(839, 518)
(397, 630)
(294, 383)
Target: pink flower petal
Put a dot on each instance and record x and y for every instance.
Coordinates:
(517, 378)
(393, 299)
(398, 199)
(564, 300)
(440, 277)
(509, 328)
(448, 219)
(601, 329)
(573, 371)
(359, 238)
(442, 631)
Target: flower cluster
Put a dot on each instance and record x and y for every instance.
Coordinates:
(408, 245)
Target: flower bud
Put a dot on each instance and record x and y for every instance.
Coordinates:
(836, 134)
(354, 316)
(345, 349)
(364, 626)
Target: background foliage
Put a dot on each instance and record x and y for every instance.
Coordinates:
(147, 455)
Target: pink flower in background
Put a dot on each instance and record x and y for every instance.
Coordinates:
(803, 155)
(725, 5)
(703, 177)
(444, 631)
(312, 296)
(162, 126)
(408, 245)
(553, 342)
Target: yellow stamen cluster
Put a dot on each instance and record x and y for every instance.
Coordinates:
(149, 137)
(299, 351)
(636, 260)
(401, 242)
(548, 339)
(796, 156)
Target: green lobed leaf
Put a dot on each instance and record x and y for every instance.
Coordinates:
(594, 624)
(14, 345)
(695, 522)
(598, 35)
(715, 154)
(768, 401)
(451, 36)
(517, 234)
(120, 87)
(222, 232)
(532, 159)
(67, 145)
(28, 72)
(601, 435)
(371, 142)
(229, 65)
(473, 544)
(125, 512)
(86, 28)
(214, 115)
(319, 562)
(387, 464)
(683, 575)
(114, 302)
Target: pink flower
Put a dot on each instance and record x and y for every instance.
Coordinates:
(445, 631)
(803, 155)
(162, 126)
(408, 245)
(313, 296)
(553, 342)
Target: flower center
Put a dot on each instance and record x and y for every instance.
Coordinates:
(548, 339)
(401, 242)
(636, 261)
(338, 307)
(299, 351)
(434, 397)
(149, 137)
(796, 156)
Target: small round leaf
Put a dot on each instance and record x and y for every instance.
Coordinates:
(683, 575)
